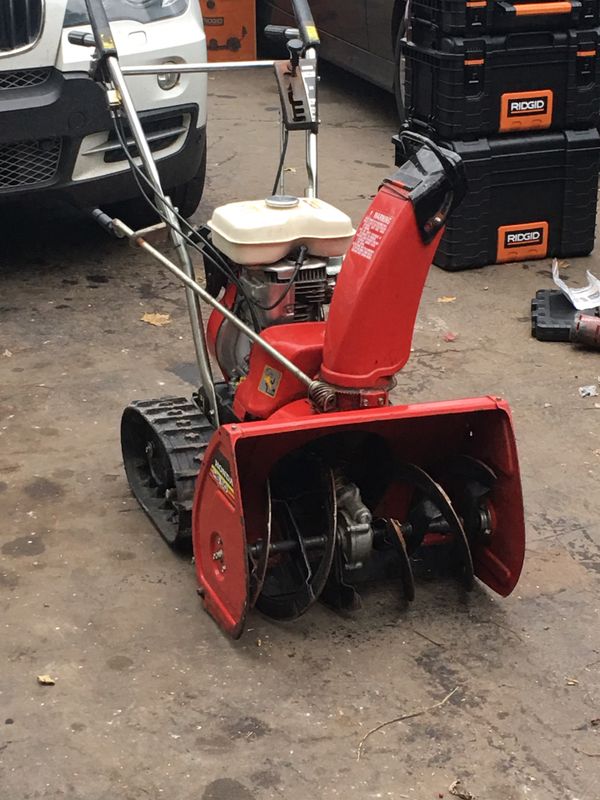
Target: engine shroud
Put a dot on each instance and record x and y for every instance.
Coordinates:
(263, 286)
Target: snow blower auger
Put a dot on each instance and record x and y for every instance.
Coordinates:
(306, 482)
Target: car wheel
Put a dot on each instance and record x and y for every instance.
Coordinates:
(138, 213)
(187, 196)
(400, 74)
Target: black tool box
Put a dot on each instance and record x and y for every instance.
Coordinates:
(466, 88)
(552, 316)
(529, 196)
(477, 17)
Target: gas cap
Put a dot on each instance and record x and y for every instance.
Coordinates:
(282, 201)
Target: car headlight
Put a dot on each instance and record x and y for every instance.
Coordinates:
(137, 10)
(168, 80)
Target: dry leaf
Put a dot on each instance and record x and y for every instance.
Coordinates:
(446, 298)
(158, 320)
(450, 337)
(46, 680)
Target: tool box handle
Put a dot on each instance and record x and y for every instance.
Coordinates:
(306, 23)
(539, 9)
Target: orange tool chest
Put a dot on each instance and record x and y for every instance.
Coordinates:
(230, 27)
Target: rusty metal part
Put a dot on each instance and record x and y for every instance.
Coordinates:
(585, 331)
(434, 506)
(303, 512)
(259, 557)
(406, 574)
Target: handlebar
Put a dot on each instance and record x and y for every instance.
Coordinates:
(100, 27)
(306, 23)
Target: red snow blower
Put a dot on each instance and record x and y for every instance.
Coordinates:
(295, 477)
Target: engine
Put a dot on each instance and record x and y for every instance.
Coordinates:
(283, 256)
(308, 287)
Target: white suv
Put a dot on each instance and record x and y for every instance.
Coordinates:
(56, 135)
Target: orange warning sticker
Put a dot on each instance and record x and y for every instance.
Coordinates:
(526, 111)
(518, 242)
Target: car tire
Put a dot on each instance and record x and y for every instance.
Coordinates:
(138, 213)
(187, 196)
(399, 74)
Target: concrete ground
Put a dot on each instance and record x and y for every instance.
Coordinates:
(151, 700)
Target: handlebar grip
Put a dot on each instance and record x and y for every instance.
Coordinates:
(103, 38)
(81, 38)
(306, 23)
(281, 33)
(103, 220)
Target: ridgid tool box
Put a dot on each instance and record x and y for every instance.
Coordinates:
(230, 27)
(477, 17)
(468, 88)
(529, 196)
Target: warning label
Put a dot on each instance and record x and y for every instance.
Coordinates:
(220, 472)
(370, 233)
(269, 383)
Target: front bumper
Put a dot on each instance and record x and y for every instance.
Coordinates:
(55, 139)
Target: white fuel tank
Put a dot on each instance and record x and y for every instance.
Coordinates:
(265, 231)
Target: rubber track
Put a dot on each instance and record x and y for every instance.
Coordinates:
(185, 433)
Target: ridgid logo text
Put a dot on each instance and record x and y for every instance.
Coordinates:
(519, 238)
(532, 105)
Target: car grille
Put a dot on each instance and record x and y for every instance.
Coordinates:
(28, 163)
(23, 78)
(160, 133)
(20, 23)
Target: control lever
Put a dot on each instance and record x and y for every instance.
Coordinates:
(281, 32)
(297, 84)
(81, 38)
(295, 48)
